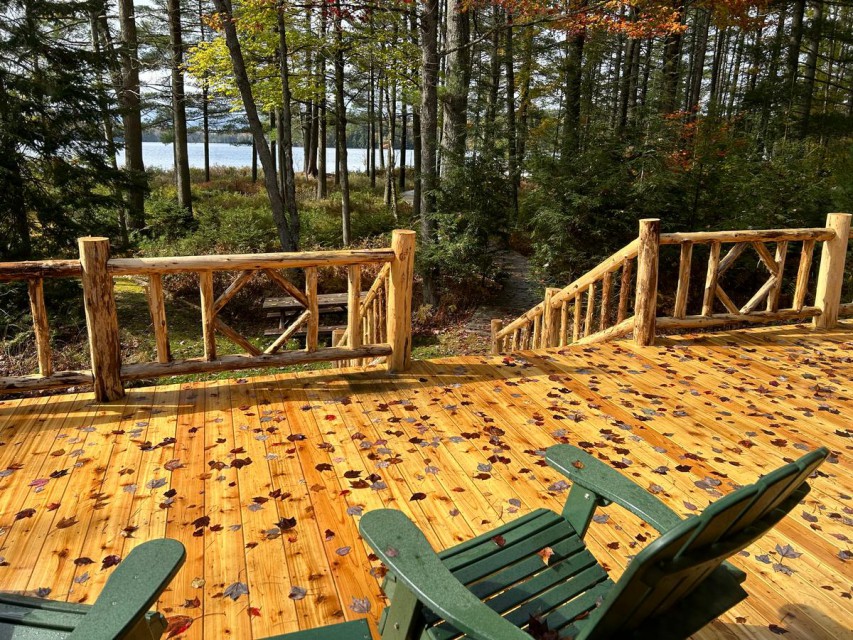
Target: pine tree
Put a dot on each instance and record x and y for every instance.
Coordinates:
(55, 162)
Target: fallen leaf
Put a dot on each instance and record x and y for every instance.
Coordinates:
(176, 625)
(546, 554)
(360, 605)
(235, 590)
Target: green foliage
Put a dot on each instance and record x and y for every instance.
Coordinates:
(472, 206)
(56, 176)
(693, 177)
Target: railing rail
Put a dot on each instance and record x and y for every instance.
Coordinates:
(382, 321)
(540, 328)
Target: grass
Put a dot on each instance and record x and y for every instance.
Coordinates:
(230, 215)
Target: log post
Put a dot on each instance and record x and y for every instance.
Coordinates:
(41, 329)
(497, 346)
(337, 337)
(684, 264)
(101, 318)
(399, 316)
(645, 301)
(157, 307)
(208, 314)
(830, 274)
(354, 309)
(313, 328)
(711, 279)
(551, 320)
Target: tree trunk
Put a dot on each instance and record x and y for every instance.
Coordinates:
(647, 70)
(734, 82)
(625, 85)
(179, 111)
(811, 67)
(205, 103)
(671, 59)
(403, 125)
(107, 121)
(129, 100)
(703, 22)
(286, 134)
(454, 95)
(572, 91)
(341, 133)
(526, 73)
(371, 125)
(794, 43)
(416, 129)
(322, 121)
(512, 140)
(241, 78)
(390, 184)
(429, 135)
(716, 66)
(494, 84)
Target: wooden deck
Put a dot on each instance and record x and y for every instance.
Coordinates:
(264, 479)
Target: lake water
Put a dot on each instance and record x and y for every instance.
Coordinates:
(161, 156)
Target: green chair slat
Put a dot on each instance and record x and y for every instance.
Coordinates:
(496, 557)
(502, 567)
(579, 608)
(32, 616)
(722, 518)
(352, 630)
(570, 557)
(568, 579)
(12, 631)
(43, 603)
(779, 484)
(472, 550)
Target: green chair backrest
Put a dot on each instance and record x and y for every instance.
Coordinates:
(672, 566)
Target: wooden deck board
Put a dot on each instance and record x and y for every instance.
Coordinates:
(456, 445)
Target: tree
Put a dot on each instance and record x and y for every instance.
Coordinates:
(429, 136)
(289, 241)
(56, 173)
(131, 113)
(179, 109)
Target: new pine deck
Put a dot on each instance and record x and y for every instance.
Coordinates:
(264, 479)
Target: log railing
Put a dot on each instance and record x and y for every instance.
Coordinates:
(588, 310)
(547, 324)
(382, 320)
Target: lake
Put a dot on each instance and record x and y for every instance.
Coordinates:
(161, 156)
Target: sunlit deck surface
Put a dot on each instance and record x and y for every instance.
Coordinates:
(264, 479)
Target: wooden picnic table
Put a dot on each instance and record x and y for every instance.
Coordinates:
(285, 308)
(326, 302)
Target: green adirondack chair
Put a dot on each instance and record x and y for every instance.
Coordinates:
(121, 611)
(493, 586)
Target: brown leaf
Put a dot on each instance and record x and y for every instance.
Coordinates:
(546, 554)
(64, 523)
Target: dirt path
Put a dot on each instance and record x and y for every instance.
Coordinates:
(520, 292)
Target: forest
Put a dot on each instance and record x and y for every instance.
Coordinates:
(545, 127)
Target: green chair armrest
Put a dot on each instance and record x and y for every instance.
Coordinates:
(131, 590)
(606, 483)
(409, 556)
